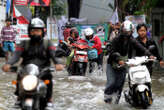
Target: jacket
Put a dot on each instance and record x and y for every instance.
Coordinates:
(149, 43)
(122, 48)
(35, 53)
(97, 44)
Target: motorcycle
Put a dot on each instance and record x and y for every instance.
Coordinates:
(107, 47)
(80, 58)
(31, 89)
(63, 49)
(139, 93)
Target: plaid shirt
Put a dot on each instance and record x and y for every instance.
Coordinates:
(8, 34)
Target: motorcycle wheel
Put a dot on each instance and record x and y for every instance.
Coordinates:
(81, 69)
(144, 96)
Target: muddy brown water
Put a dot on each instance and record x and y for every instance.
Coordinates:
(80, 93)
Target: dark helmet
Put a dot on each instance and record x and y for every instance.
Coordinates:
(36, 23)
(74, 30)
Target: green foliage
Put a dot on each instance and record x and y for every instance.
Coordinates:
(139, 12)
(58, 7)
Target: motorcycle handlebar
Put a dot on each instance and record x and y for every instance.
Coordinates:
(45, 71)
(133, 64)
(13, 69)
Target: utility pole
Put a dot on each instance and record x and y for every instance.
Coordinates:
(11, 8)
(9, 14)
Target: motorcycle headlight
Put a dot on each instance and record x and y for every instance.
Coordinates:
(29, 82)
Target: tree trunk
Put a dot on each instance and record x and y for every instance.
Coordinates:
(73, 8)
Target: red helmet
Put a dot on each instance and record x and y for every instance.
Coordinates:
(66, 33)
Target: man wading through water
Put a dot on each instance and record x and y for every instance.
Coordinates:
(122, 48)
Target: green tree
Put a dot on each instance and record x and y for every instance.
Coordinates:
(136, 7)
(58, 7)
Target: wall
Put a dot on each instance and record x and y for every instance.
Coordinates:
(96, 11)
(158, 27)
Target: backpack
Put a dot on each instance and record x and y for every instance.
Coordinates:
(27, 44)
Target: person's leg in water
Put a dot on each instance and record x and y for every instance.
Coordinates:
(115, 82)
(11, 47)
(69, 63)
(92, 65)
(110, 85)
(120, 84)
(6, 49)
(100, 61)
(49, 77)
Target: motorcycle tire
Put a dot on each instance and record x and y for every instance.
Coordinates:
(83, 70)
(144, 99)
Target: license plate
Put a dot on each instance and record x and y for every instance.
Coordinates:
(81, 52)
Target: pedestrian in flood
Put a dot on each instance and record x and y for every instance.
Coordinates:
(148, 43)
(114, 30)
(122, 48)
(8, 34)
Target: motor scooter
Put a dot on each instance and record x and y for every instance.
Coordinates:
(79, 61)
(139, 93)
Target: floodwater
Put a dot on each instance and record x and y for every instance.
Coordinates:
(80, 93)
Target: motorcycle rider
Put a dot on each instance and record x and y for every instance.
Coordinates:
(122, 48)
(148, 43)
(74, 34)
(89, 35)
(74, 37)
(35, 51)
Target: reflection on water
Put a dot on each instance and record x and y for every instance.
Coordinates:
(80, 93)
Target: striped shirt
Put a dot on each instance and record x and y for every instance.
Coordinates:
(8, 34)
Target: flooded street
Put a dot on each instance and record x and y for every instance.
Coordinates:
(80, 93)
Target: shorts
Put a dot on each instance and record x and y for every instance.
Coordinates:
(8, 46)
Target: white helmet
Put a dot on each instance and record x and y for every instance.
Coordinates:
(127, 26)
(88, 32)
(37, 23)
